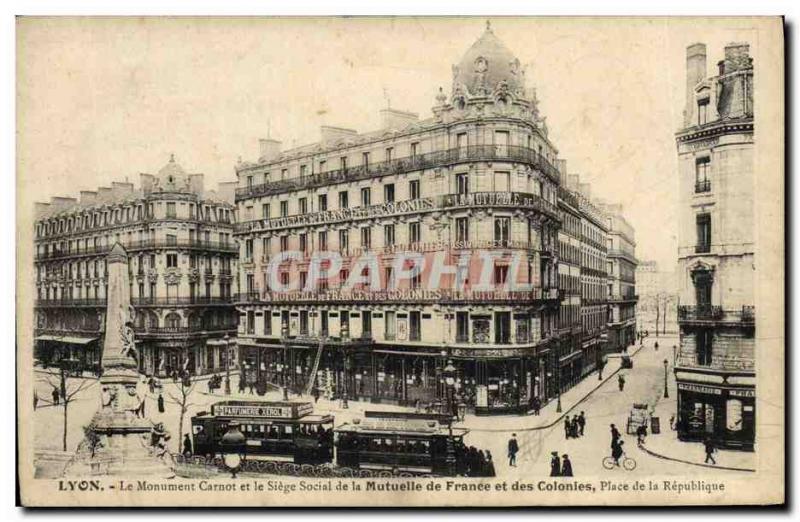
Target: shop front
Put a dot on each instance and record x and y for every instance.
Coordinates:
(83, 351)
(723, 413)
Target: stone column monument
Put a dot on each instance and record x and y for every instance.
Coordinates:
(118, 442)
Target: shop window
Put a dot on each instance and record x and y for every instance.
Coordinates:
(733, 415)
(462, 327)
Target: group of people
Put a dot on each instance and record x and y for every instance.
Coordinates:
(473, 462)
(573, 428)
(560, 467)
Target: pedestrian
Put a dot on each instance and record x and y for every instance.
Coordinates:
(160, 403)
(252, 388)
(566, 466)
(513, 448)
(555, 464)
(615, 435)
(242, 384)
(567, 427)
(621, 382)
(490, 472)
(672, 422)
(581, 423)
(537, 405)
(575, 427)
(641, 434)
(151, 383)
(710, 449)
(656, 346)
(187, 446)
(55, 396)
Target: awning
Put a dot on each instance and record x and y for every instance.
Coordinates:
(77, 340)
(47, 337)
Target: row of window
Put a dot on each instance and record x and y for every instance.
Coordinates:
(128, 214)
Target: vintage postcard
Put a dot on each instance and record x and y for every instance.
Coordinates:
(400, 261)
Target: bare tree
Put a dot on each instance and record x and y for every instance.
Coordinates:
(69, 392)
(182, 398)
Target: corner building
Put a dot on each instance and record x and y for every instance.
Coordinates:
(621, 269)
(715, 370)
(478, 174)
(182, 262)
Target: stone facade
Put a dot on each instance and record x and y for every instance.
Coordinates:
(621, 269)
(715, 367)
(181, 260)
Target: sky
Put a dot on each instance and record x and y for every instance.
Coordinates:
(104, 99)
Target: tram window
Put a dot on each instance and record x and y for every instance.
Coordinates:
(287, 430)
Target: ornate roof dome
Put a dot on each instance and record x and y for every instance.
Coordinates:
(172, 176)
(486, 64)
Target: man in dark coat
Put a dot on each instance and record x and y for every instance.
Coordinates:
(555, 465)
(710, 449)
(641, 434)
(575, 427)
(621, 382)
(513, 448)
(490, 472)
(187, 445)
(566, 466)
(160, 403)
(615, 435)
(55, 396)
(567, 427)
(537, 405)
(581, 423)
(242, 386)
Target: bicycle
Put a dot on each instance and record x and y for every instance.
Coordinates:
(627, 462)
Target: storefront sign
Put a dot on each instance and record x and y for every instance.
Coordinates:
(742, 393)
(699, 389)
(265, 410)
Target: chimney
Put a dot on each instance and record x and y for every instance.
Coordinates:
(737, 56)
(88, 197)
(695, 73)
(268, 149)
(395, 120)
(120, 190)
(60, 203)
(561, 166)
(331, 134)
(146, 181)
(41, 209)
(104, 194)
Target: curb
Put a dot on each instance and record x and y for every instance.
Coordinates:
(700, 464)
(565, 412)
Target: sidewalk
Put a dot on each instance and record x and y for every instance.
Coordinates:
(666, 445)
(548, 415)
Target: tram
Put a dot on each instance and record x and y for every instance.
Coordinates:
(407, 442)
(281, 431)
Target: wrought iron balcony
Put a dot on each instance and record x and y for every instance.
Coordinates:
(53, 303)
(708, 313)
(702, 186)
(405, 164)
(180, 301)
(183, 330)
(623, 298)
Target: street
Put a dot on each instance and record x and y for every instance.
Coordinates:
(602, 407)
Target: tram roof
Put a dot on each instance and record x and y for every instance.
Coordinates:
(398, 427)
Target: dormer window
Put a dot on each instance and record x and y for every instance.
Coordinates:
(702, 111)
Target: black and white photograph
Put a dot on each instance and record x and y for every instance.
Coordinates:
(443, 261)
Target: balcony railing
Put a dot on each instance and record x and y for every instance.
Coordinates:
(181, 301)
(441, 296)
(702, 186)
(70, 302)
(622, 298)
(513, 200)
(709, 313)
(132, 246)
(406, 164)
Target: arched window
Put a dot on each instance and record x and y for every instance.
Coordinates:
(173, 320)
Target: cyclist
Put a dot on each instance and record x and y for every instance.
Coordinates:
(616, 450)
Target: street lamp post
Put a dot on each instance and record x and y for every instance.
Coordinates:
(227, 364)
(666, 391)
(284, 373)
(449, 374)
(345, 376)
(674, 354)
(558, 404)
